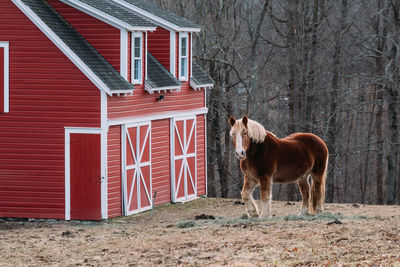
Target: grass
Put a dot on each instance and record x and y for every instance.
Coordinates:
(242, 221)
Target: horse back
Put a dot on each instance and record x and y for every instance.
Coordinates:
(313, 146)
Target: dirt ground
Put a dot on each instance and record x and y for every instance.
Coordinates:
(347, 235)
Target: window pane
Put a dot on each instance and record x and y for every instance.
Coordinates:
(183, 45)
(137, 46)
(183, 67)
(138, 70)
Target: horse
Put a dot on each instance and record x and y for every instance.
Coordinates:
(266, 159)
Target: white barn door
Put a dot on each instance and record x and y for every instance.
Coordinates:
(136, 167)
(183, 159)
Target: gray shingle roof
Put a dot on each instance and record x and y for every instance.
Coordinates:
(199, 76)
(162, 13)
(119, 12)
(158, 76)
(99, 66)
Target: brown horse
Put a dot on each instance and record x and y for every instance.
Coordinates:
(265, 159)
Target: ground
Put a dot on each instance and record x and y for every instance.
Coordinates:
(346, 235)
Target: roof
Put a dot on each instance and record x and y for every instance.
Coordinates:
(158, 77)
(92, 64)
(200, 77)
(113, 13)
(159, 15)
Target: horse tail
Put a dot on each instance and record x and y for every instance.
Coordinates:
(318, 175)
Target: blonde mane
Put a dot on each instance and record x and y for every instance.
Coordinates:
(255, 130)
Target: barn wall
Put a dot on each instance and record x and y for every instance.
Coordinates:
(47, 93)
(201, 155)
(161, 160)
(114, 172)
(103, 37)
(159, 46)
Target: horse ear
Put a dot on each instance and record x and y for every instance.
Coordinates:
(245, 120)
(232, 121)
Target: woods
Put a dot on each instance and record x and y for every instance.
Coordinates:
(326, 67)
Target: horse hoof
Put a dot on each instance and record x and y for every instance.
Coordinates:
(265, 216)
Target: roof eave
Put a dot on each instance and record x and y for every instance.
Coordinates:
(100, 15)
(150, 89)
(152, 17)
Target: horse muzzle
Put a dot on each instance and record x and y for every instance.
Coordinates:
(241, 154)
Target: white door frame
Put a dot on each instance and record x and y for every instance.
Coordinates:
(125, 201)
(103, 149)
(173, 158)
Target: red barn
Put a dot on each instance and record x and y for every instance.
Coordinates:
(101, 106)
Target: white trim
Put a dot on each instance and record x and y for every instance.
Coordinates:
(104, 154)
(152, 90)
(62, 46)
(205, 151)
(98, 14)
(67, 163)
(137, 165)
(6, 46)
(124, 54)
(159, 116)
(172, 49)
(133, 58)
(145, 55)
(155, 18)
(196, 86)
(191, 55)
(186, 77)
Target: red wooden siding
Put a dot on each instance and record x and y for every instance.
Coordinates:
(47, 93)
(2, 79)
(103, 37)
(160, 160)
(159, 46)
(114, 172)
(85, 179)
(201, 155)
(130, 57)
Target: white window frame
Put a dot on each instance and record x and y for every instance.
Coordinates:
(6, 46)
(140, 78)
(181, 76)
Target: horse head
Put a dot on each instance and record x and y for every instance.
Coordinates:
(240, 136)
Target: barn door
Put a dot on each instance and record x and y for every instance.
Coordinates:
(85, 176)
(137, 167)
(183, 158)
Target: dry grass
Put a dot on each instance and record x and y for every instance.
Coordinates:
(346, 235)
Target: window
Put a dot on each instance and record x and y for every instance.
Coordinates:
(183, 57)
(4, 76)
(137, 53)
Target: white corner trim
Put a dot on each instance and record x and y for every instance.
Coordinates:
(155, 18)
(172, 50)
(6, 46)
(145, 55)
(62, 46)
(124, 54)
(100, 15)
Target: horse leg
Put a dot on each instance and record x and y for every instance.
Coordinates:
(305, 194)
(318, 192)
(266, 197)
(249, 185)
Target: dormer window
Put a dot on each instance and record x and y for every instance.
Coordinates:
(183, 56)
(137, 57)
